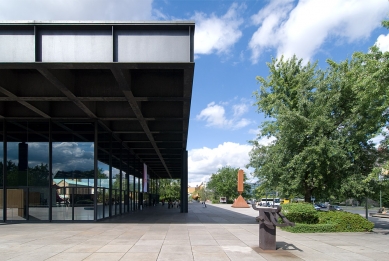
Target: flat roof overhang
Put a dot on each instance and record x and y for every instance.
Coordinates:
(135, 79)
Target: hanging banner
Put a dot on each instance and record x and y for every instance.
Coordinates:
(144, 177)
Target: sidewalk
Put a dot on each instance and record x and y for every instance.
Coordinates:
(218, 232)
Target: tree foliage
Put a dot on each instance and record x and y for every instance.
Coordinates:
(169, 189)
(33, 176)
(224, 183)
(323, 121)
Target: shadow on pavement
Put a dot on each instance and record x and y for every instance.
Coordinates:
(197, 214)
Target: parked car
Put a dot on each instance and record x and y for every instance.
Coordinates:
(316, 207)
(335, 208)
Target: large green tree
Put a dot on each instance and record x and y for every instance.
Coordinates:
(169, 189)
(322, 121)
(224, 183)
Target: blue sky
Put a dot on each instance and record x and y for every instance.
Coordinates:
(233, 42)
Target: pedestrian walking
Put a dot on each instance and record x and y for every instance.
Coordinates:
(205, 205)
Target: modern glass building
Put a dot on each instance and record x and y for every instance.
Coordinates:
(92, 116)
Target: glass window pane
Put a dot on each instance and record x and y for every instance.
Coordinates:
(73, 172)
(27, 171)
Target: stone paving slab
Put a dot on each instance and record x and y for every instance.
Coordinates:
(218, 232)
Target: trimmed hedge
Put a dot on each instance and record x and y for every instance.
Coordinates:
(346, 221)
(311, 228)
(303, 213)
(328, 221)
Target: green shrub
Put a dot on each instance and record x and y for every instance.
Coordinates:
(303, 213)
(334, 221)
(346, 221)
(312, 228)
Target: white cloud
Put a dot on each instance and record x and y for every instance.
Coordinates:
(215, 116)
(303, 28)
(205, 161)
(254, 132)
(265, 141)
(69, 156)
(215, 34)
(380, 137)
(75, 10)
(383, 42)
(240, 109)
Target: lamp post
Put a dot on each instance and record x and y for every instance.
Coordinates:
(383, 176)
(380, 179)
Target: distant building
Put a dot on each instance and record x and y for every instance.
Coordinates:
(194, 191)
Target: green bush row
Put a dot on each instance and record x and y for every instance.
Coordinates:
(311, 228)
(303, 213)
(308, 220)
(346, 221)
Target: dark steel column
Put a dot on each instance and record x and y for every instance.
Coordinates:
(156, 186)
(50, 172)
(184, 182)
(95, 165)
(133, 190)
(121, 180)
(110, 176)
(4, 171)
(128, 183)
(140, 198)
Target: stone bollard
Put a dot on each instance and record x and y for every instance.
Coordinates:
(268, 221)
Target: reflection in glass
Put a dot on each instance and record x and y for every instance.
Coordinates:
(27, 181)
(73, 176)
(1, 181)
(103, 190)
(131, 192)
(124, 195)
(72, 188)
(115, 191)
(136, 193)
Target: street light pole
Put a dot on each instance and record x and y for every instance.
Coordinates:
(380, 180)
(380, 197)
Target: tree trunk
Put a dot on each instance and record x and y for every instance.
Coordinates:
(308, 193)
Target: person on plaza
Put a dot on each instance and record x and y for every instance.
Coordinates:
(178, 203)
(205, 205)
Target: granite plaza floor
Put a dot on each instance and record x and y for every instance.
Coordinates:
(218, 232)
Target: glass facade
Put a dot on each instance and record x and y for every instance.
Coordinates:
(131, 193)
(27, 171)
(50, 173)
(103, 191)
(2, 191)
